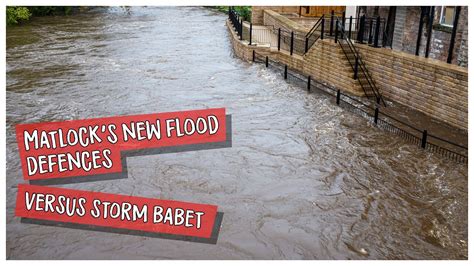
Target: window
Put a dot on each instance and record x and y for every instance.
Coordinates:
(447, 15)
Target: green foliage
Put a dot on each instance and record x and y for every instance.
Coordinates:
(17, 14)
(41, 11)
(244, 11)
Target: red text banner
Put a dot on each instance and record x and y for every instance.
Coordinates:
(115, 211)
(93, 146)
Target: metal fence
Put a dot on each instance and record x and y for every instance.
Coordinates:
(371, 111)
(364, 30)
(367, 30)
(280, 38)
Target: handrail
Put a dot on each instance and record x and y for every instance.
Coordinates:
(315, 26)
(354, 69)
(354, 51)
(313, 31)
(359, 60)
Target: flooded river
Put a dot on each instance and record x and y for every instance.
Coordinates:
(304, 178)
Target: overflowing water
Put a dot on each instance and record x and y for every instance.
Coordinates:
(304, 178)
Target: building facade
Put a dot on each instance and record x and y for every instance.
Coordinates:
(438, 32)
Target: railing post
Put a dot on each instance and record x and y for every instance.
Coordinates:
(370, 30)
(279, 38)
(331, 27)
(266, 61)
(286, 72)
(306, 45)
(420, 30)
(241, 28)
(253, 55)
(356, 68)
(309, 83)
(376, 115)
(377, 32)
(424, 138)
(350, 27)
(430, 30)
(291, 43)
(234, 22)
(322, 27)
(453, 34)
(344, 19)
(337, 33)
(384, 36)
(250, 31)
(360, 34)
(338, 97)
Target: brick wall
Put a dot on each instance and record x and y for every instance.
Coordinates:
(400, 18)
(407, 21)
(461, 49)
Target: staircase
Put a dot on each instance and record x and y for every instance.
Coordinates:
(360, 71)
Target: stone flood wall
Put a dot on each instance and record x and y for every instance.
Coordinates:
(430, 86)
(332, 69)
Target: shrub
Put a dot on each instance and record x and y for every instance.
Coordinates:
(244, 11)
(17, 14)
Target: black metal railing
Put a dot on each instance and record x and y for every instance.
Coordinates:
(361, 72)
(364, 30)
(288, 40)
(236, 21)
(379, 117)
(371, 30)
(368, 30)
(295, 43)
(314, 34)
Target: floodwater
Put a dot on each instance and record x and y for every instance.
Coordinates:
(304, 178)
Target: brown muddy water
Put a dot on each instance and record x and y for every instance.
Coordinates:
(304, 179)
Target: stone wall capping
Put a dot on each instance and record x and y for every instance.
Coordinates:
(416, 60)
